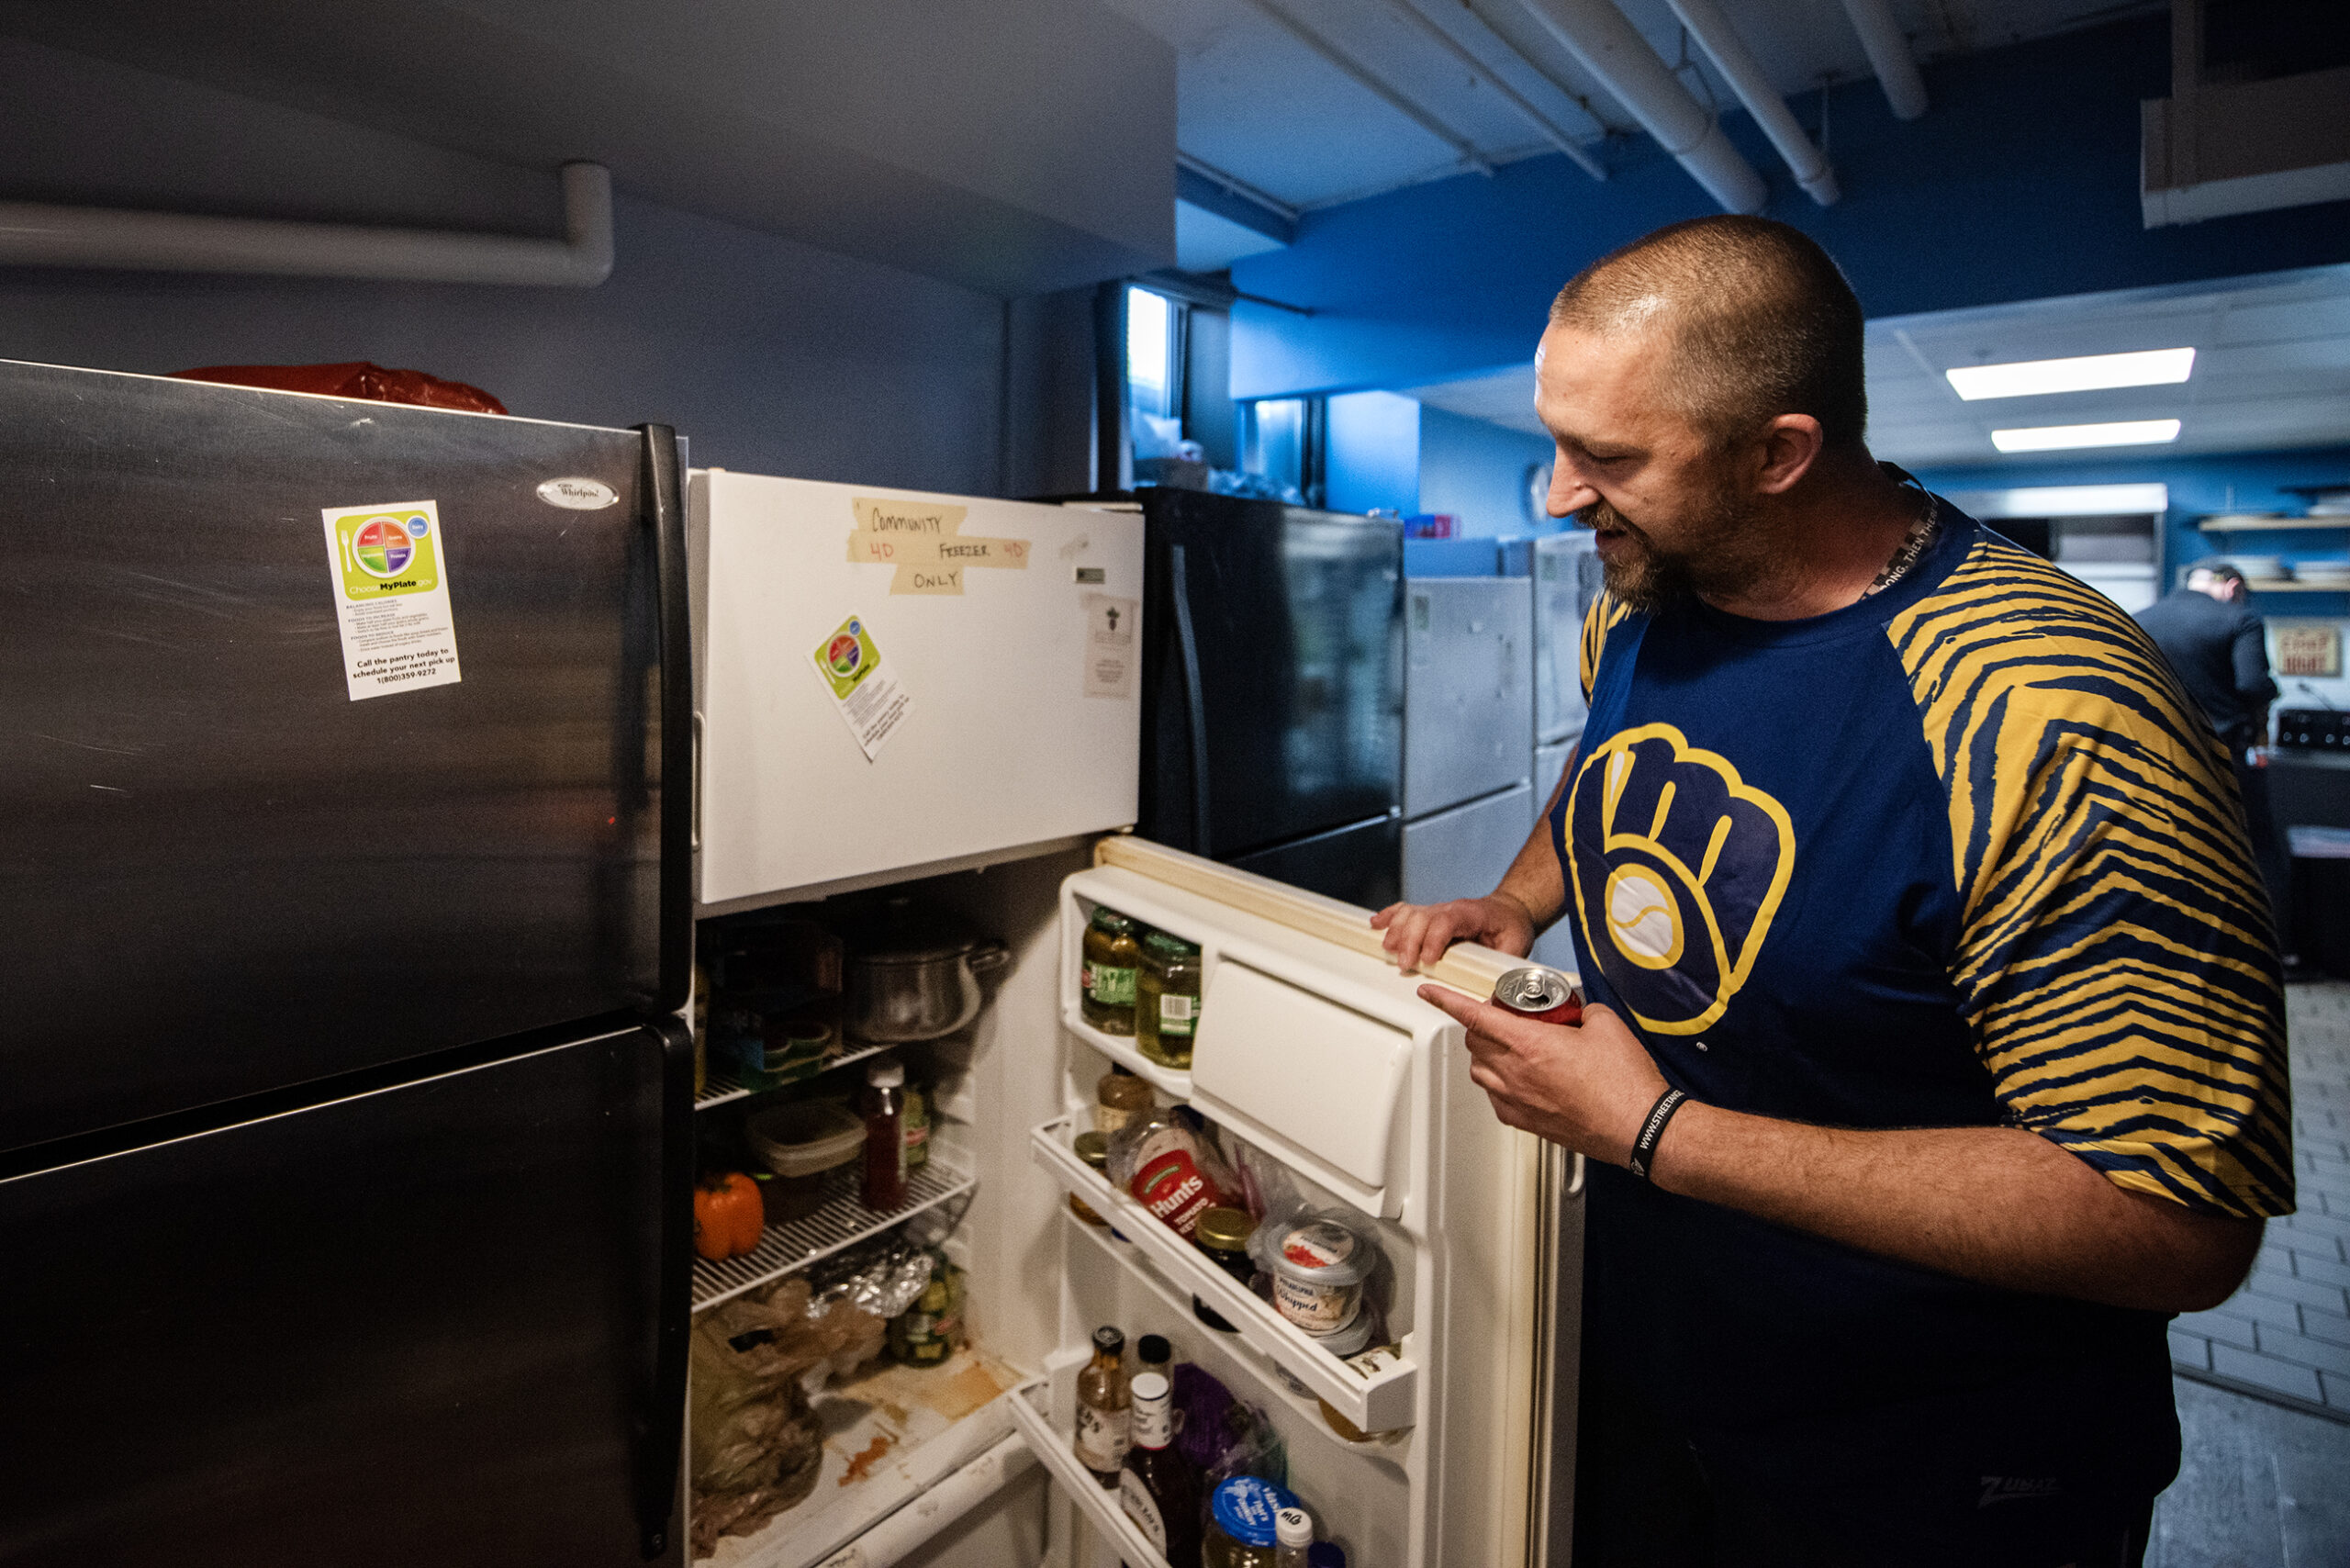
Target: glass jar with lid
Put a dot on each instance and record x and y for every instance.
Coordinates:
(1166, 1000)
(1106, 984)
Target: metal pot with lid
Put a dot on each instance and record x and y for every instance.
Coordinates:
(913, 972)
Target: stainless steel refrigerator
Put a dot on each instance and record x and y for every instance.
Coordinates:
(1272, 680)
(1566, 579)
(344, 1154)
(1468, 732)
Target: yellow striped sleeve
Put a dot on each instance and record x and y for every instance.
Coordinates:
(1605, 612)
(2116, 961)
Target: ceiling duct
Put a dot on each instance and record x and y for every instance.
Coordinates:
(1887, 47)
(2238, 135)
(34, 234)
(1744, 72)
(1611, 50)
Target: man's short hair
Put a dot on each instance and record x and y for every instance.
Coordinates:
(1762, 322)
(2219, 571)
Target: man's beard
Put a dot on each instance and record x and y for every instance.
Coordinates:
(1718, 554)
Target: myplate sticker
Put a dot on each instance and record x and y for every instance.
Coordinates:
(391, 598)
(578, 494)
(871, 702)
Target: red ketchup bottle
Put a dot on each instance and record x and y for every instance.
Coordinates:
(885, 1136)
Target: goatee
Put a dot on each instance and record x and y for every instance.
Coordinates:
(1720, 554)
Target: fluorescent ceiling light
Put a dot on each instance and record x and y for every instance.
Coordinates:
(2029, 378)
(2058, 438)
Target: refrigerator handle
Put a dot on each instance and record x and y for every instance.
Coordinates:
(666, 512)
(660, 1427)
(1189, 644)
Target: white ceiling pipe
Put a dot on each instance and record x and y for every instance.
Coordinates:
(1510, 95)
(33, 234)
(1744, 72)
(1887, 47)
(1611, 50)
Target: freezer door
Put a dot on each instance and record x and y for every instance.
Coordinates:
(1468, 692)
(220, 873)
(416, 1326)
(1361, 863)
(1274, 676)
(999, 696)
(1461, 853)
(1566, 579)
(1555, 946)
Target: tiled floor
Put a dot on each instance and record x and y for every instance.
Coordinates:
(2286, 1335)
(2259, 1487)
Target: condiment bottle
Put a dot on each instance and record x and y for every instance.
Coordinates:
(1106, 979)
(1094, 1149)
(1157, 1487)
(1118, 1098)
(1154, 1354)
(925, 1333)
(1223, 1233)
(1293, 1533)
(1166, 1000)
(885, 1136)
(1103, 1414)
(917, 1123)
(1240, 1523)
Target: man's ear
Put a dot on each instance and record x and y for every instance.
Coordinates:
(1790, 443)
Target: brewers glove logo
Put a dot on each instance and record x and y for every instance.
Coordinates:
(1679, 865)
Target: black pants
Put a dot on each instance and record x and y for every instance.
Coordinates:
(1648, 1497)
(2268, 844)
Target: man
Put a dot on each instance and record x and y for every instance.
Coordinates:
(1936, 1048)
(2219, 650)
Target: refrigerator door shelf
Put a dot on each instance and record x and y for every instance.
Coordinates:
(842, 1222)
(1096, 1503)
(1392, 1446)
(1276, 1073)
(1022, 685)
(1173, 1082)
(1377, 1390)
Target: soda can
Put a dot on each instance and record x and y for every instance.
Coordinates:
(1542, 994)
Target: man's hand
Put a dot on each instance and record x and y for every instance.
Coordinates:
(1417, 933)
(1586, 1089)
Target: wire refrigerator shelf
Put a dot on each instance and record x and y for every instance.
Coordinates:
(723, 1081)
(842, 1222)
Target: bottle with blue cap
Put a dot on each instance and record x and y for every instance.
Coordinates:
(1243, 1523)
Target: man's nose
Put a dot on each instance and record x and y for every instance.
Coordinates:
(1569, 493)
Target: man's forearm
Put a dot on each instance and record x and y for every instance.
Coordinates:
(1998, 1205)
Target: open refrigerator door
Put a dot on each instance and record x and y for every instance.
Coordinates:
(1446, 1437)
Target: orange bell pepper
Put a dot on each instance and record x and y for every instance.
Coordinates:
(729, 1216)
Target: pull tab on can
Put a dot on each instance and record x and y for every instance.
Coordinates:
(1542, 994)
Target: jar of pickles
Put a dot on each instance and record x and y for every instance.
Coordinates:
(1106, 982)
(1167, 998)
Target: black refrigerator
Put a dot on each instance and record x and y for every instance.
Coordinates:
(345, 1152)
(1272, 679)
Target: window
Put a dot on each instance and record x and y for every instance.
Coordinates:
(1152, 379)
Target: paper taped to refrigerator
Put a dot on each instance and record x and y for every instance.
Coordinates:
(1110, 646)
(872, 703)
(924, 542)
(391, 578)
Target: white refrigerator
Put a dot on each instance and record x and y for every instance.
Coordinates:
(1310, 1048)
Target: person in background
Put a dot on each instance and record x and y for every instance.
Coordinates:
(2219, 650)
(1935, 1054)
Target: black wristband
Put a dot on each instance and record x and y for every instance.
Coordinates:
(1652, 1131)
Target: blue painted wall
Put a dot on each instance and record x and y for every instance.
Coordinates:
(1477, 472)
(2243, 481)
(2020, 182)
(1374, 453)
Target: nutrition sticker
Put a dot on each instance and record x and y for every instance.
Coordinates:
(391, 598)
(871, 702)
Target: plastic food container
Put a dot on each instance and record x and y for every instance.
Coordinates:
(1319, 1260)
(801, 1143)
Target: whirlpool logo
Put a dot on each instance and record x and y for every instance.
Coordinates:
(1679, 865)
